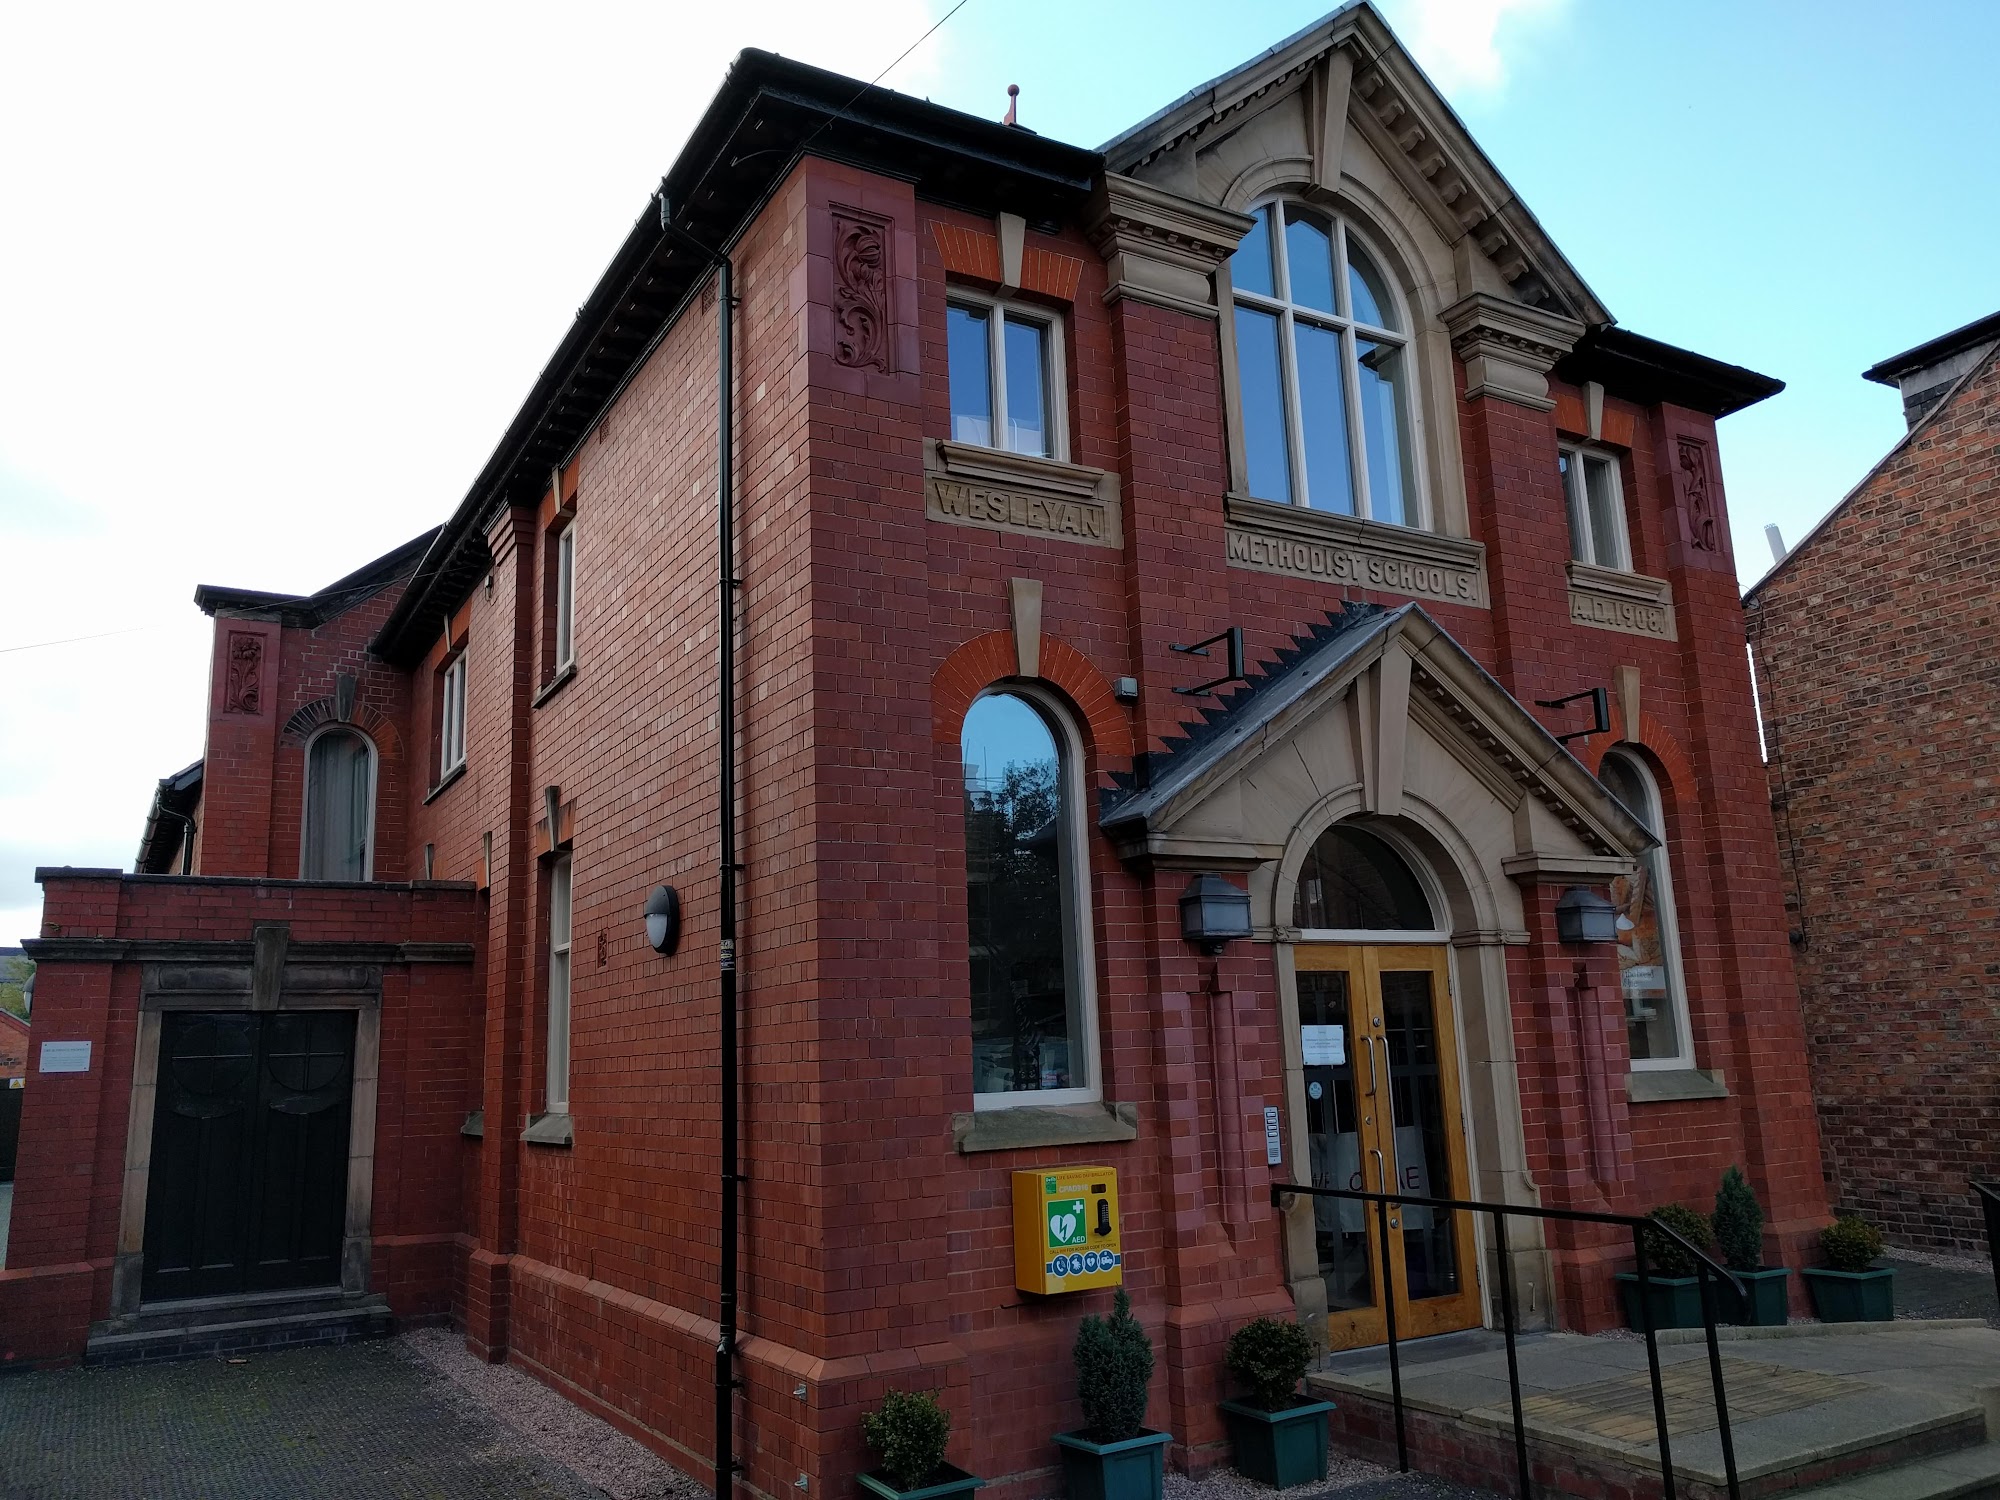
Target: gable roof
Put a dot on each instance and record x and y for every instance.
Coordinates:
(1419, 134)
(169, 821)
(315, 609)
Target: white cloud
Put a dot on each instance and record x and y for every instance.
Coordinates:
(274, 280)
(1462, 44)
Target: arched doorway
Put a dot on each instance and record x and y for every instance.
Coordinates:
(1383, 1106)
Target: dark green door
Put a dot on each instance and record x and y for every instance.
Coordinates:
(248, 1186)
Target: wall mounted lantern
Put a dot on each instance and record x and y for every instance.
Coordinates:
(1583, 916)
(1214, 911)
(663, 919)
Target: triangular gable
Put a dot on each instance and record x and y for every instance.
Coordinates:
(1401, 652)
(1354, 74)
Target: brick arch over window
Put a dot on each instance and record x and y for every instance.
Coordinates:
(376, 725)
(987, 659)
(1672, 768)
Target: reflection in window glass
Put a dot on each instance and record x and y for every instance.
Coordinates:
(340, 805)
(1020, 907)
(1323, 419)
(1648, 968)
(1309, 255)
(1250, 266)
(1267, 456)
(1353, 881)
(1383, 396)
(1596, 506)
(1026, 365)
(971, 375)
(1368, 293)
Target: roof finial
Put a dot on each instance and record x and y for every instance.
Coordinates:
(1013, 94)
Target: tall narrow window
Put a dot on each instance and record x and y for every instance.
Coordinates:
(1032, 1034)
(1649, 960)
(451, 718)
(566, 598)
(1596, 502)
(1323, 370)
(1005, 372)
(340, 807)
(559, 933)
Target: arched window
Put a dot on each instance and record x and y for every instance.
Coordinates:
(1649, 960)
(1323, 369)
(340, 807)
(1033, 1037)
(1353, 881)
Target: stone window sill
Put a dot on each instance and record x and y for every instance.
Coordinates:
(475, 1125)
(554, 685)
(445, 781)
(1665, 1085)
(1030, 1125)
(550, 1130)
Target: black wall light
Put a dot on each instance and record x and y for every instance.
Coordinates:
(1214, 912)
(663, 919)
(1583, 916)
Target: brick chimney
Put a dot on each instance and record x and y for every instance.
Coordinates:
(1925, 373)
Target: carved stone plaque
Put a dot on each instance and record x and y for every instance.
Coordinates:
(1359, 554)
(1630, 603)
(972, 486)
(243, 683)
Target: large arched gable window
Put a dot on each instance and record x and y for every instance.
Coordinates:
(1649, 959)
(339, 842)
(1324, 371)
(1034, 1037)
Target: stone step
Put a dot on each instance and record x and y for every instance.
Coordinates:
(233, 1325)
(1967, 1474)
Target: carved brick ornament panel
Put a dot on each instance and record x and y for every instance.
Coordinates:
(243, 681)
(1697, 499)
(861, 291)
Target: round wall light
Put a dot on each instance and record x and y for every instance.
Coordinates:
(663, 919)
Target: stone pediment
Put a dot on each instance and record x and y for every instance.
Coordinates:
(1297, 111)
(1405, 695)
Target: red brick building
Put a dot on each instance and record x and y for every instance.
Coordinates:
(1012, 425)
(1875, 651)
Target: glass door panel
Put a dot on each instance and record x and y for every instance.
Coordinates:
(1333, 1135)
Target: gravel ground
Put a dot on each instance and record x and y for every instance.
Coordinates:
(1943, 1286)
(1941, 1260)
(1346, 1479)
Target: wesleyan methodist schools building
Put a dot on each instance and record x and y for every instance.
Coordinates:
(1011, 425)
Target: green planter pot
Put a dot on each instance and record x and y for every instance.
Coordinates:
(949, 1483)
(1135, 1469)
(1853, 1296)
(1675, 1300)
(1767, 1305)
(1281, 1448)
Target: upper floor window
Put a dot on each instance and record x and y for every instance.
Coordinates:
(1323, 370)
(565, 598)
(1596, 502)
(340, 807)
(1005, 370)
(1649, 960)
(1033, 1034)
(451, 718)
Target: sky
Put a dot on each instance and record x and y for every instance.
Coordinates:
(273, 279)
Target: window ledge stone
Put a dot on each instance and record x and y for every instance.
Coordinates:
(444, 782)
(554, 685)
(1029, 1125)
(475, 1125)
(550, 1130)
(1300, 542)
(1665, 1085)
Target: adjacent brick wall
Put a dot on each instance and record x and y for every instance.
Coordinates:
(1876, 657)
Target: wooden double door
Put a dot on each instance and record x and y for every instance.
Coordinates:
(247, 1189)
(1383, 1114)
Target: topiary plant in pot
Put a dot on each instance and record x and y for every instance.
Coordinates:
(1277, 1436)
(1673, 1292)
(1738, 1222)
(1850, 1288)
(1113, 1457)
(908, 1432)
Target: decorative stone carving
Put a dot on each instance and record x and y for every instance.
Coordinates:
(1697, 499)
(1328, 548)
(967, 485)
(1509, 348)
(1631, 603)
(1160, 247)
(861, 291)
(243, 679)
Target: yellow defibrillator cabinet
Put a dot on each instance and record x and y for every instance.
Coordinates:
(1066, 1230)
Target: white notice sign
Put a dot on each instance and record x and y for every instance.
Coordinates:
(1274, 1146)
(65, 1057)
(1324, 1046)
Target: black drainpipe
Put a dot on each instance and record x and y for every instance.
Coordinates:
(726, 1381)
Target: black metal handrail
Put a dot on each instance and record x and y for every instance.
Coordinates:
(1706, 1269)
(1988, 1194)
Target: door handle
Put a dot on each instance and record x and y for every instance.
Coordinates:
(1382, 1177)
(1368, 1045)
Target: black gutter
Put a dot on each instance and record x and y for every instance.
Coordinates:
(1650, 372)
(1891, 370)
(317, 608)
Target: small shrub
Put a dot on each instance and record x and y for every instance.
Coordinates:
(1114, 1364)
(908, 1432)
(1738, 1222)
(1270, 1356)
(1850, 1243)
(1666, 1258)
